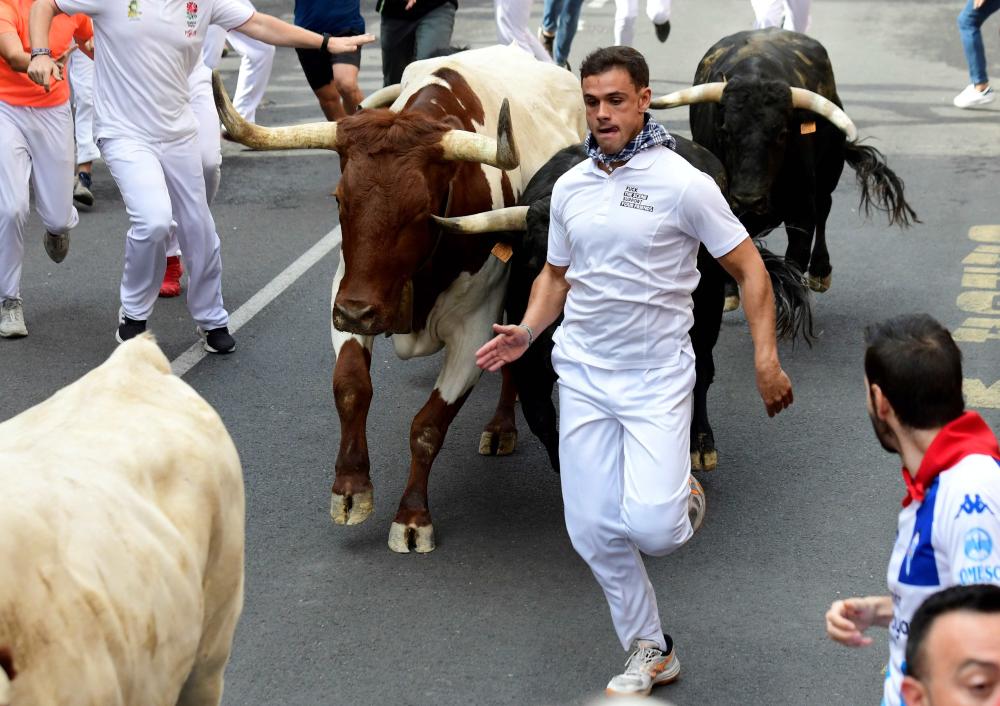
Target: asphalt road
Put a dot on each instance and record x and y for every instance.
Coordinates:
(801, 511)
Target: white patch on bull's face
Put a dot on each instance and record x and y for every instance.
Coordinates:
(342, 337)
(462, 320)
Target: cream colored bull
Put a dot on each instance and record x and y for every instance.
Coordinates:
(121, 542)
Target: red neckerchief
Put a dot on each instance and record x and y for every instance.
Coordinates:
(961, 437)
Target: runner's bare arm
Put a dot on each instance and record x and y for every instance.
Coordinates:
(12, 52)
(847, 620)
(744, 264)
(271, 30)
(42, 69)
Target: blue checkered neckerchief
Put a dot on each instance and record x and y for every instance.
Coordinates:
(651, 135)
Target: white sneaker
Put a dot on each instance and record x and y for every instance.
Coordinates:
(645, 667)
(12, 319)
(696, 504)
(974, 98)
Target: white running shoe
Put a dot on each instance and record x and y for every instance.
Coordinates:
(645, 668)
(696, 504)
(971, 97)
(12, 319)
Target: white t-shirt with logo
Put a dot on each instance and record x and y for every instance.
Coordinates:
(144, 52)
(630, 241)
(948, 539)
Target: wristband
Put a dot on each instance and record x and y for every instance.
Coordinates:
(531, 334)
(41, 51)
(324, 47)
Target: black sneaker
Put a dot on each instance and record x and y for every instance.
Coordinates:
(82, 196)
(56, 246)
(662, 31)
(547, 40)
(217, 340)
(128, 328)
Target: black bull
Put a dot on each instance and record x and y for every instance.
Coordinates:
(533, 374)
(784, 163)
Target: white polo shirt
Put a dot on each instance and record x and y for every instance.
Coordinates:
(144, 52)
(630, 241)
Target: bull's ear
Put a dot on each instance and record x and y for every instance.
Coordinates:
(453, 122)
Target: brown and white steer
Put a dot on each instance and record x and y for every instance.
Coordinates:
(431, 153)
(121, 542)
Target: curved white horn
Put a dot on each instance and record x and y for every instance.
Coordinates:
(309, 136)
(807, 100)
(702, 93)
(501, 152)
(383, 97)
(501, 219)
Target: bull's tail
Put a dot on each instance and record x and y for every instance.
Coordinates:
(792, 302)
(880, 187)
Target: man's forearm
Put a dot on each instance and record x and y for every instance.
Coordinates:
(40, 22)
(758, 305)
(548, 296)
(271, 30)
(12, 53)
(883, 610)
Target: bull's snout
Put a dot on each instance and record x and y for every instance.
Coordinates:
(356, 317)
(750, 203)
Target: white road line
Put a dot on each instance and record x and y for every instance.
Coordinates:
(190, 358)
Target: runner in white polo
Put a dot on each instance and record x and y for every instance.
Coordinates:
(622, 254)
(36, 146)
(949, 528)
(147, 134)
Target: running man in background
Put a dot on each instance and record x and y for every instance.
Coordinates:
(978, 93)
(789, 14)
(333, 77)
(512, 18)
(412, 31)
(626, 12)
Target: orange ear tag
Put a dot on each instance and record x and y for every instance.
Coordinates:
(807, 128)
(502, 251)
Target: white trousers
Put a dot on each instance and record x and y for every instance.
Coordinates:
(36, 145)
(163, 186)
(624, 438)
(626, 12)
(255, 71)
(790, 14)
(513, 17)
(81, 81)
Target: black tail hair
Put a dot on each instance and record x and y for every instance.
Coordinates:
(880, 187)
(792, 300)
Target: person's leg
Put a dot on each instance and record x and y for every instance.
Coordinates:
(15, 173)
(768, 13)
(182, 171)
(209, 137)
(797, 15)
(319, 74)
(398, 39)
(135, 167)
(433, 31)
(512, 18)
(81, 79)
(50, 142)
(550, 15)
(969, 22)
(625, 13)
(569, 21)
(658, 11)
(255, 72)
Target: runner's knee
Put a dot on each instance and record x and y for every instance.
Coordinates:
(658, 530)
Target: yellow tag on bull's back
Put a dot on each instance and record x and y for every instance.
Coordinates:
(807, 128)
(502, 251)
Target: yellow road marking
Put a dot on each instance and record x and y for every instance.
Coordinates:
(977, 395)
(981, 297)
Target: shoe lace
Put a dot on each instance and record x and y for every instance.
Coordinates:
(641, 659)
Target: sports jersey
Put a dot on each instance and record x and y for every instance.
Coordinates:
(948, 529)
(144, 52)
(630, 240)
(330, 16)
(15, 87)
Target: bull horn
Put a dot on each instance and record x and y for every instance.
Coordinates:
(383, 97)
(296, 137)
(807, 100)
(498, 220)
(702, 93)
(501, 152)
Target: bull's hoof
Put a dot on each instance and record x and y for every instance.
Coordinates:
(704, 460)
(497, 443)
(403, 537)
(732, 303)
(351, 509)
(819, 284)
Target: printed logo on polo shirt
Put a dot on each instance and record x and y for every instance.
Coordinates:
(633, 198)
(978, 544)
(134, 12)
(970, 506)
(192, 19)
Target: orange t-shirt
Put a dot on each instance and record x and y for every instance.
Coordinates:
(16, 88)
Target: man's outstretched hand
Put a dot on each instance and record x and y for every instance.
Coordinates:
(510, 344)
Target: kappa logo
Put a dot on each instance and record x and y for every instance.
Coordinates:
(973, 507)
(633, 198)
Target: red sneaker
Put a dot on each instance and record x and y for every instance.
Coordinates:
(171, 286)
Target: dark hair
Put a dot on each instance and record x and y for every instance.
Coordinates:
(977, 598)
(601, 60)
(915, 361)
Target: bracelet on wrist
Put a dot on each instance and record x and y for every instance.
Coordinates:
(325, 46)
(41, 51)
(531, 334)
